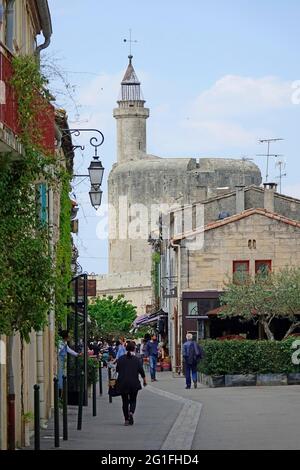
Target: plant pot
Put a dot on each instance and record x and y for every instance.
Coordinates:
(217, 381)
(271, 379)
(294, 379)
(248, 380)
(212, 381)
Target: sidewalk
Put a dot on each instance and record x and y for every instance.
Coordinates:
(168, 417)
(155, 416)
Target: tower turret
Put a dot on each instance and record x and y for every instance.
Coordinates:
(131, 116)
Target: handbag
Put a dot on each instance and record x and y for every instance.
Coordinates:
(113, 388)
(113, 385)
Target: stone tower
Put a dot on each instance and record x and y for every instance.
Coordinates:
(131, 118)
(139, 183)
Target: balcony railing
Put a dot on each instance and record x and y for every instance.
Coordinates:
(9, 106)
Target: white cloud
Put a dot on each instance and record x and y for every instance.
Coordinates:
(233, 113)
(236, 96)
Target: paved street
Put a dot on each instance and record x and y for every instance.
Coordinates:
(170, 417)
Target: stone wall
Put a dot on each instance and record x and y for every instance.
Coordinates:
(209, 269)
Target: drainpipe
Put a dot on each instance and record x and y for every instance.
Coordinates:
(177, 342)
(10, 24)
(44, 12)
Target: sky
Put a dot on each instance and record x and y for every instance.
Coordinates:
(217, 76)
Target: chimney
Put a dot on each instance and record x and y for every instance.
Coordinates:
(240, 199)
(269, 193)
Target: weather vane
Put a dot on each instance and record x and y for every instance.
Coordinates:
(131, 41)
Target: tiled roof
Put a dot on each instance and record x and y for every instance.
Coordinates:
(236, 218)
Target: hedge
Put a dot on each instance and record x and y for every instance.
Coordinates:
(247, 357)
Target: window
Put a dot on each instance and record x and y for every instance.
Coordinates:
(263, 267)
(193, 309)
(240, 271)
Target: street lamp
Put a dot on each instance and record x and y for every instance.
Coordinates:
(95, 197)
(96, 170)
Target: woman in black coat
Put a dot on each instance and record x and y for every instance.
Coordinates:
(129, 368)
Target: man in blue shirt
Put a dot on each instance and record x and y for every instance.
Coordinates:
(192, 354)
(152, 353)
(121, 348)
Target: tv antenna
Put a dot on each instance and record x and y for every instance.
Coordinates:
(268, 154)
(281, 164)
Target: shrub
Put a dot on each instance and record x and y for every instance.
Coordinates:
(247, 357)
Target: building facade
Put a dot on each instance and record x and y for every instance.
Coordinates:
(250, 237)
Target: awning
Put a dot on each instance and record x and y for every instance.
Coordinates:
(149, 319)
(216, 311)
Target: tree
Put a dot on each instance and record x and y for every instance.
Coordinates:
(268, 296)
(111, 316)
(287, 284)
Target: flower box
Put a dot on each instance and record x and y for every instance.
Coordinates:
(271, 379)
(248, 380)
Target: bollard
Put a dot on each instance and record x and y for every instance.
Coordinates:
(37, 434)
(100, 378)
(65, 409)
(56, 413)
(109, 379)
(80, 404)
(94, 398)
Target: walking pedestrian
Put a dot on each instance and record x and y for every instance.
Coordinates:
(129, 368)
(192, 354)
(121, 348)
(152, 352)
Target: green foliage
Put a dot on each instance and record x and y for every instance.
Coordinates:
(93, 370)
(155, 274)
(111, 316)
(247, 357)
(63, 255)
(25, 263)
(30, 87)
(27, 272)
(264, 298)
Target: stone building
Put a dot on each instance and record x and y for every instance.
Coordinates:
(141, 185)
(260, 228)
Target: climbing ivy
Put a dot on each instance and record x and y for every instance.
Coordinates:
(28, 275)
(63, 254)
(155, 275)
